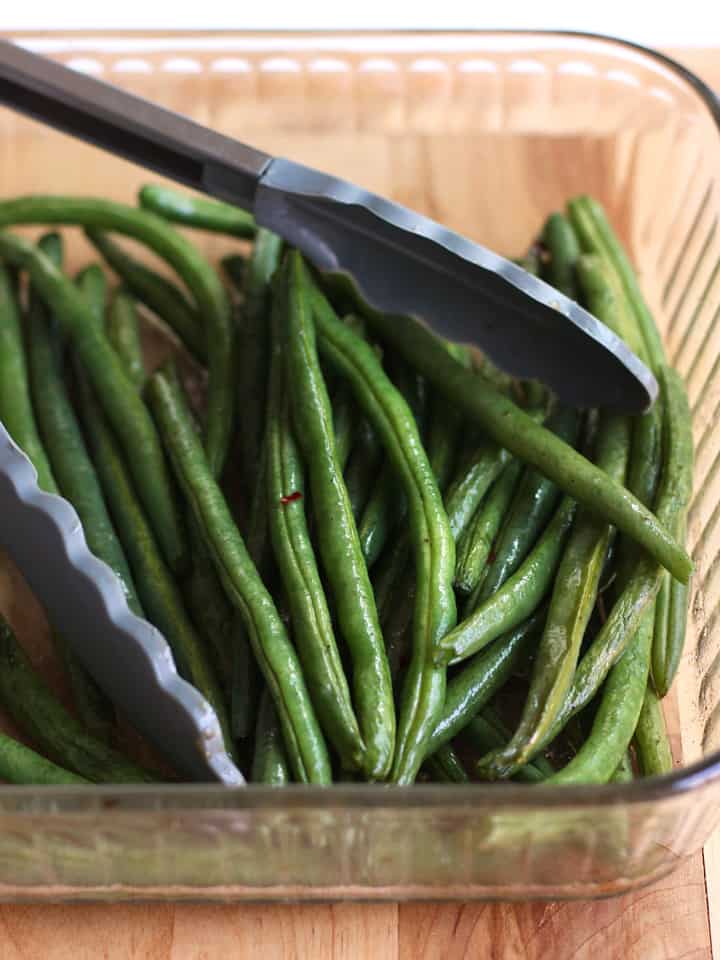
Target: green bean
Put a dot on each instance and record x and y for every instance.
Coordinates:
(362, 468)
(254, 352)
(163, 297)
(194, 211)
(71, 463)
(639, 590)
(652, 746)
(434, 549)
(562, 247)
(244, 690)
(201, 280)
(481, 678)
(513, 429)
(272, 649)
(387, 506)
(616, 717)
(484, 736)
(16, 410)
(269, 763)
(337, 535)
(443, 440)
(387, 571)
(571, 605)
(624, 771)
(470, 484)
(123, 331)
(39, 714)
(123, 407)
(446, 766)
(476, 543)
(159, 594)
(343, 424)
(669, 639)
(313, 631)
(92, 281)
(596, 236)
(532, 505)
(235, 265)
(519, 596)
(75, 475)
(19, 764)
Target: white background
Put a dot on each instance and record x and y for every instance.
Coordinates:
(660, 22)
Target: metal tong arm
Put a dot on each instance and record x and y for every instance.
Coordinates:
(129, 126)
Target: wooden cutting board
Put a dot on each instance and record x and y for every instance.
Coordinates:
(675, 919)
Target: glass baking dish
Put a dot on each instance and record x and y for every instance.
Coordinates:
(486, 132)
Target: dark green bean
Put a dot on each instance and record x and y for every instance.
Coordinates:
(481, 678)
(652, 746)
(446, 766)
(199, 277)
(39, 714)
(123, 331)
(193, 211)
(71, 463)
(272, 649)
(531, 508)
(254, 350)
(616, 717)
(162, 296)
(269, 763)
(343, 424)
(159, 594)
(16, 410)
(386, 507)
(312, 626)
(512, 428)
(387, 571)
(484, 736)
(19, 764)
(517, 599)
(337, 535)
(561, 250)
(471, 482)
(571, 605)
(362, 468)
(624, 771)
(475, 546)
(235, 265)
(668, 643)
(123, 407)
(91, 280)
(434, 548)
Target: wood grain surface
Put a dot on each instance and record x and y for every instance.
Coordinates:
(669, 921)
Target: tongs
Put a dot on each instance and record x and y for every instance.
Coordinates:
(400, 262)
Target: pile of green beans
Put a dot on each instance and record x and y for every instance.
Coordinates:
(376, 556)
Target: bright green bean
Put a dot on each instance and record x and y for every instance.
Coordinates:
(652, 746)
(273, 651)
(193, 211)
(269, 763)
(123, 331)
(199, 277)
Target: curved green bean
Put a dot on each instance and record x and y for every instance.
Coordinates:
(16, 410)
(434, 548)
(481, 678)
(273, 651)
(269, 764)
(652, 746)
(616, 716)
(199, 212)
(199, 277)
(312, 625)
(123, 332)
(19, 764)
(39, 714)
(159, 594)
(162, 296)
(337, 535)
(123, 407)
(513, 429)
(446, 766)
(91, 280)
(562, 251)
(516, 600)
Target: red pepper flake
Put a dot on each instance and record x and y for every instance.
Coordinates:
(491, 557)
(291, 497)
